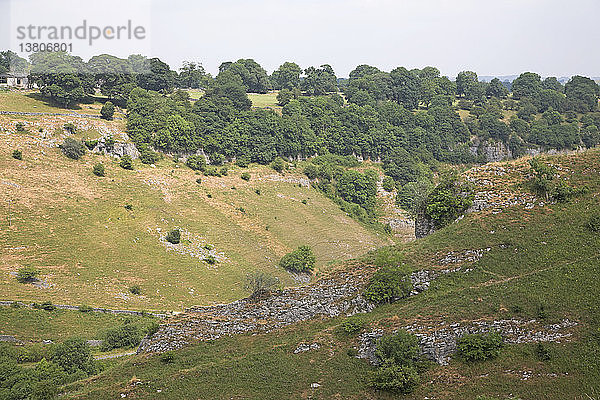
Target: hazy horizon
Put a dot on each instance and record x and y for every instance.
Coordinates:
(504, 38)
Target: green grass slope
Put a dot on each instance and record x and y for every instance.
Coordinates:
(544, 256)
(74, 227)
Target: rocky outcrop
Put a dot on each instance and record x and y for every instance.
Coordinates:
(118, 149)
(439, 342)
(492, 151)
(423, 226)
(332, 297)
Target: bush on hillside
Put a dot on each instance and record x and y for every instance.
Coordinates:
(174, 237)
(279, 164)
(125, 336)
(98, 169)
(27, 274)
(300, 260)
(74, 355)
(126, 162)
(352, 325)
(311, 171)
(246, 176)
(395, 378)
(70, 128)
(17, 154)
(147, 155)
(401, 348)
(480, 347)
(217, 159)
(388, 184)
(223, 171)
(108, 111)
(259, 283)
(167, 357)
(197, 162)
(448, 201)
(211, 171)
(90, 144)
(135, 289)
(388, 284)
(72, 148)
(20, 127)
(594, 223)
(398, 355)
(242, 161)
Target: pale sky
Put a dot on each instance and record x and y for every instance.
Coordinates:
(491, 37)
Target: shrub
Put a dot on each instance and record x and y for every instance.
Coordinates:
(198, 181)
(217, 159)
(401, 348)
(197, 162)
(20, 127)
(128, 207)
(74, 355)
(259, 283)
(167, 357)
(210, 259)
(211, 171)
(388, 184)
(245, 176)
(72, 148)
(223, 171)
(479, 347)
(98, 169)
(448, 201)
(174, 237)
(242, 161)
(127, 335)
(594, 223)
(108, 110)
(352, 326)
(395, 378)
(109, 142)
(311, 171)
(279, 164)
(17, 154)
(284, 97)
(300, 260)
(388, 284)
(27, 274)
(147, 155)
(542, 352)
(85, 308)
(135, 289)
(70, 128)
(152, 328)
(90, 144)
(257, 191)
(126, 162)
(47, 306)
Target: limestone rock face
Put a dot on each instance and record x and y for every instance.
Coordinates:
(118, 149)
(423, 226)
(439, 342)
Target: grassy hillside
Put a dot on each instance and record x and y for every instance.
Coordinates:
(74, 227)
(537, 262)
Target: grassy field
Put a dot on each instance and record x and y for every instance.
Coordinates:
(264, 100)
(31, 326)
(541, 256)
(33, 102)
(75, 229)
